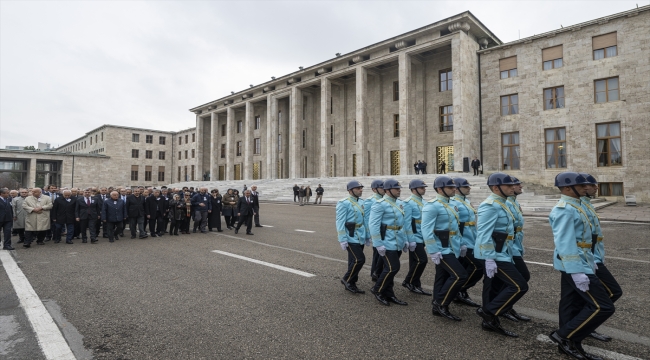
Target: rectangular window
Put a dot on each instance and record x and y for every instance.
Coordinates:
(240, 126)
(223, 129)
(223, 151)
(185, 154)
(193, 137)
(508, 67)
(161, 173)
(193, 153)
(304, 137)
(304, 108)
(180, 140)
(135, 153)
(186, 137)
(510, 150)
(148, 154)
(396, 125)
(280, 120)
(185, 172)
(606, 90)
(192, 172)
(552, 57)
(178, 174)
(446, 82)
(238, 148)
(161, 155)
(604, 46)
(149, 139)
(257, 148)
(135, 137)
(509, 104)
(147, 173)
(555, 148)
(257, 122)
(331, 134)
(610, 189)
(134, 172)
(446, 118)
(554, 98)
(395, 90)
(279, 142)
(91, 140)
(102, 136)
(161, 140)
(179, 155)
(331, 105)
(608, 137)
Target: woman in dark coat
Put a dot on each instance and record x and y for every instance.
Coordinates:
(214, 218)
(176, 214)
(228, 209)
(235, 218)
(185, 207)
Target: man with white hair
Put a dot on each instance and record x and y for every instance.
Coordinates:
(202, 207)
(113, 215)
(37, 222)
(63, 217)
(19, 214)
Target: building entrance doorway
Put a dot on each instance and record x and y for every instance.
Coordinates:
(394, 162)
(446, 154)
(237, 171)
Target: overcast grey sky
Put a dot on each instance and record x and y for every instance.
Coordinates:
(67, 67)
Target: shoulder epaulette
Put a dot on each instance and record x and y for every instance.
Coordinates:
(381, 200)
(561, 204)
(344, 200)
(489, 201)
(407, 200)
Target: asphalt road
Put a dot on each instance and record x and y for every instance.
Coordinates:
(174, 298)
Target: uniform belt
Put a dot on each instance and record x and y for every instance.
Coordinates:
(518, 229)
(470, 223)
(584, 245)
(452, 233)
(358, 225)
(600, 238)
(391, 227)
(418, 221)
(510, 237)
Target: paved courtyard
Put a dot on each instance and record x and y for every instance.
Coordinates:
(201, 297)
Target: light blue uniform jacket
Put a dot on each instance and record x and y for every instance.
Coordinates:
(414, 205)
(466, 214)
(350, 209)
(493, 216)
(572, 237)
(439, 215)
(367, 207)
(389, 211)
(518, 243)
(599, 252)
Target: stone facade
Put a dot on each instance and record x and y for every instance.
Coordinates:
(184, 157)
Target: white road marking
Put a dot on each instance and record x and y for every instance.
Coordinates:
(624, 222)
(608, 257)
(537, 263)
(49, 336)
(279, 267)
(267, 226)
(594, 350)
(307, 231)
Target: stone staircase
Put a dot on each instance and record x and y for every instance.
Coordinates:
(536, 201)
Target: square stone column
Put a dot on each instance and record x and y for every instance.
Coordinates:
(325, 110)
(271, 137)
(295, 135)
(199, 146)
(230, 146)
(464, 63)
(404, 113)
(214, 168)
(31, 174)
(361, 118)
(249, 124)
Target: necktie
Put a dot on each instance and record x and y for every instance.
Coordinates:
(88, 201)
(248, 200)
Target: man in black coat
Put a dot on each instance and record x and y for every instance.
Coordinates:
(101, 197)
(296, 190)
(155, 208)
(87, 212)
(245, 212)
(63, 216)
(113, 215)
(256, 205)
(476, 163)
(6, 218)
(136, 213)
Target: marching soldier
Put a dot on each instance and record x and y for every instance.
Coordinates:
(467, 228)
(584, 302)
(598, 249)
(377, 265)
(351, 230)
(495, 232)
(417, 254)
(443, 242)
(387, 228)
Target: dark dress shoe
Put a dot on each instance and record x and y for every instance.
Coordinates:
(47, 239)
(518, 315)
(408, 285)
(486, 316)
(463, 298)
(26, 246)
(259, 226)
(380, 297)
(249, 233)
(236, 230)
(40, 243)
(93, 241)
(397, 301)
(348, 286)
(566, 346)
(21, 241)
(600, 337)
(219, 230)
(509, 316)
(374, 277)
(356, 289)
(144, 236)
(586, 354)
(419, 290)
(443, 311)
(8, 248)
(84, 241)
(111, 240)
(132, 236)
(194, 231)
(154, 235)
(496, 327)
(69, 242)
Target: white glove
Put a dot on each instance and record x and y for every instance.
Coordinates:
(344, 245)
(436, 257)
(367, 242)
(412, 246)
(490, 268)
(463, 250)
(381, 250)
(406, 247)
(582, 281)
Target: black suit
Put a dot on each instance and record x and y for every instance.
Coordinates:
(88, 212)
(246, 210)
(6, 221)
(155, 209)
(135, 210)
(63, 216)
(476, 163)
(100, 199)
(256, 206)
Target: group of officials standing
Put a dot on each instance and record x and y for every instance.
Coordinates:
(468, 244)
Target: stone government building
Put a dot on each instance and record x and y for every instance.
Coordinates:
(574, 98)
